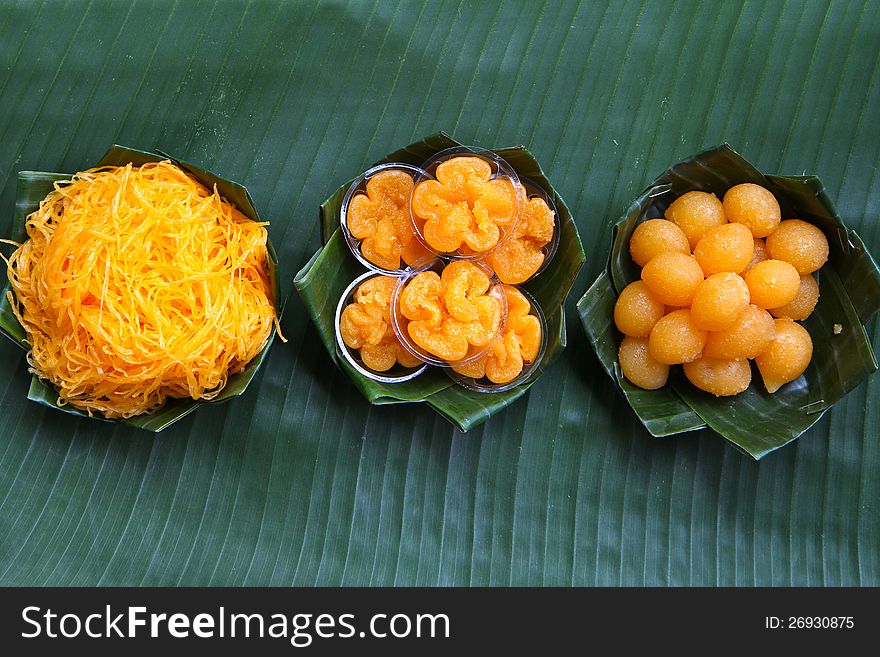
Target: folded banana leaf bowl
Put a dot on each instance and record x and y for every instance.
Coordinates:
(330, 271)
(34, 186)
(754, 421)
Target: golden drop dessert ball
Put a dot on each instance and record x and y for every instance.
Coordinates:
(655, 236)
(639, 367)
(672, 278)
(721, 377)
(803, 304)
(772, 283)
(753, 206)
(747, 337)
(719, 301)
(800, 244)
(759, 254)
(787, 356)
(696, 213)
(676, 339)
(726, 248)
(636, 310)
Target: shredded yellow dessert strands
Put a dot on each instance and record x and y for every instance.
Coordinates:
(138, 284)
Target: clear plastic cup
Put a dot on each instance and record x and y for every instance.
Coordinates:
(530, 370)
(400, 322)
(398, 373)
(359, 186)
(534, 190)
(501, 169)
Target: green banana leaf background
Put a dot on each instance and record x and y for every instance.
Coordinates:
(302, 481)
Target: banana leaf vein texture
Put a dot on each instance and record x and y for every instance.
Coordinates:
(301, 481)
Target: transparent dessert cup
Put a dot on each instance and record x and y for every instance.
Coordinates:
(501, 169)
(398, 373)
(359, 186)
(530, 370)
(400, 322)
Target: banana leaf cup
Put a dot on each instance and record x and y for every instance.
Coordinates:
(754, 421)
(326, 275)
(33, 186)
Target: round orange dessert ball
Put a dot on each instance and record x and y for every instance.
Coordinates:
(753, 206)
(788, 355)
(719, 301)
(772, 283)
(636, 310)
(639, 367)
(726, 248)
(747, 337)
(672, 278)
(721, 377)
(676, 339)
(800, 244)
(804, 302)
(696, 213)
(759, 254)
(655, 236)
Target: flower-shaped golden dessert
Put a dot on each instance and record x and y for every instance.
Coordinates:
(379, 217)
(464, 208)
(520, 344)
(452, 312)
(365, 325)
(522, 255)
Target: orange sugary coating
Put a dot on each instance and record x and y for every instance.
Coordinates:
(464, 206)
(772, 283)
(365, 326)
(672, 277)
(639, 367)
(522, 255)
(519, 344)
(799, 243)
(138, 284)
(451, 312)
(721, 377)
(380, 219)
(696, 213)
(803, 304)
(787, 356)
(747, 337)
(636, 310)
(759, 254)
(754, 206)
(676, 339)
(653, 237)
(719, 301)
(726, 248)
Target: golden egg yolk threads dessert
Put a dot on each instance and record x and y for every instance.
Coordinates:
(788, 355)
(639, 367)
(465, 207)
(365, 326)
(517, 260)
(451, 312)
(756, 267)
(137, 284)
(800, 244)
(696, 213)
(518, 345)
(379, 218)
(753, 206)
